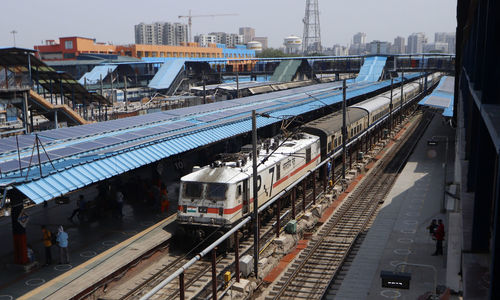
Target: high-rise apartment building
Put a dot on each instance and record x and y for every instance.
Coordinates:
(399, 45)
(161, 33)
(378, 47)
(248, 34)
(448, 38)
(359, 38)
(229, 39)
(416, 42)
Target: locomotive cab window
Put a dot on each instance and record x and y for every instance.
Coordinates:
(239, 189)
(193, 189)
(278, 172)
(216, 191)
(308, 154)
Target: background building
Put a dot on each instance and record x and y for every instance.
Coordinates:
(378, 47)
(228, 39)
(448, 38)
(262, 40)
(416, 42)
(255, 46)
(71, 47)
(437, 47)
(161, 33)
(359, 38)
(358, 46)
(248, 34)
(399, 45)
(205, 39)
(339, 50)
(292, 44)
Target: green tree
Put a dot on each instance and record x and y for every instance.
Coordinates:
(271, 52)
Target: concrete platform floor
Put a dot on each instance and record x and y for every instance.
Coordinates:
(399, 232)
(87, 240)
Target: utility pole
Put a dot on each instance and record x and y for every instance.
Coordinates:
(125, 92)
(344, 128)
(237, 83)
(14, 36)
(402, 97)
(390, 108)
(255, 196)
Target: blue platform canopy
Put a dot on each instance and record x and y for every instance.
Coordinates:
(97, 73)
(442, 96)
(167, 74)
(82, 155)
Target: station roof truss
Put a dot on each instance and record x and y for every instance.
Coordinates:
(21, 60)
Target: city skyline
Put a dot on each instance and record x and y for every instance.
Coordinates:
(100, 24)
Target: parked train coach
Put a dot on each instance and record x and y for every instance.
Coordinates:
(220, 195)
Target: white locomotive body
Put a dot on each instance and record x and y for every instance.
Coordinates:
(222, 193)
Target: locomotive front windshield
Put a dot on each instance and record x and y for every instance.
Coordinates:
(193, 189)
(216, 191)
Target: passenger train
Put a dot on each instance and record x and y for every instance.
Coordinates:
(219, 195)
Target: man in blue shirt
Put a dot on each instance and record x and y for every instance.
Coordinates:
(62, 242)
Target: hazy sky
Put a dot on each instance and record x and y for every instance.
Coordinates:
(113, 21)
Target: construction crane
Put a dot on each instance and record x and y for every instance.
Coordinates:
(190, 22)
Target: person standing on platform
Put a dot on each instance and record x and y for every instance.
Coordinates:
(164, 199)
(432, 227)
(47, 243)
(119, 203)
(439, 235)
(62, 242)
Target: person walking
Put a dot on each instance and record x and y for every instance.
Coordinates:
(439, 235)
(80, 209)
(47, 243)
(62, 242)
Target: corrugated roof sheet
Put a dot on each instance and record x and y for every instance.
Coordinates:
(97, 73)
(285, 71)
(442, 97)
(166, 74)
(372, 68)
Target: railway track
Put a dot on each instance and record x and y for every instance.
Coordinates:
(198, 279)
(312, 272)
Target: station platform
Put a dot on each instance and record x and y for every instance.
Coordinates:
(399, 232)
(97, 247)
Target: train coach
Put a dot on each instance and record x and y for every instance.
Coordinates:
(220, 195)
